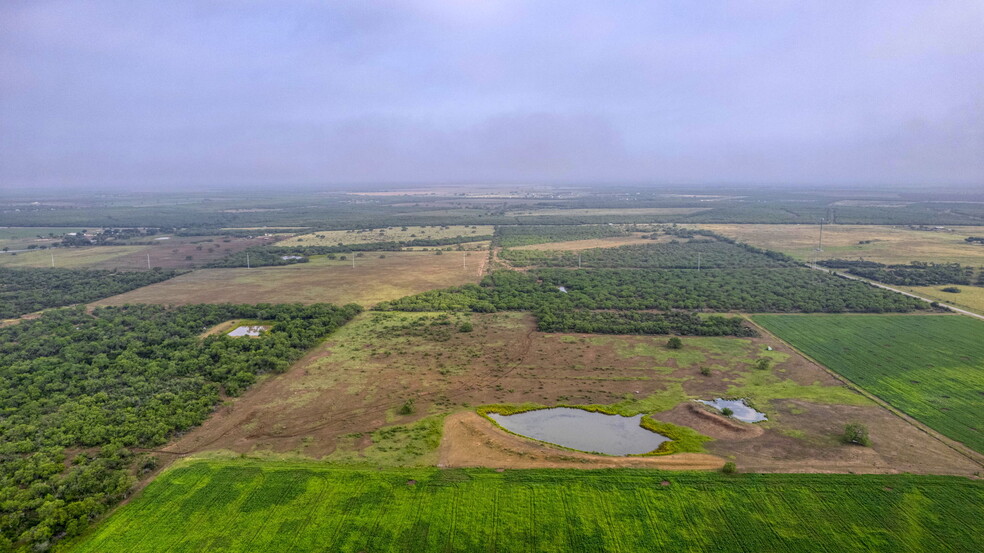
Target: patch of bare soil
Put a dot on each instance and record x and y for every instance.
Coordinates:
(472, 441)
(710, 424)
(808, 441)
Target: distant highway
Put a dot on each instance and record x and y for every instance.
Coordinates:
(880, 285)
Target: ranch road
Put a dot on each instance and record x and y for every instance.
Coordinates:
(880, 285)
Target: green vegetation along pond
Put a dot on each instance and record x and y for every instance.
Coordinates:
(583, 430)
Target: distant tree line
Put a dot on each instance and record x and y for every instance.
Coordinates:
(641, 322)
(28, 290)
(916, 273)
(120, 378)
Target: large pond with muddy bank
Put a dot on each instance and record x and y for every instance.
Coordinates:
(583, 430)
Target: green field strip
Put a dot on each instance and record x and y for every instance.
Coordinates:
(243, 505)
(929, 367)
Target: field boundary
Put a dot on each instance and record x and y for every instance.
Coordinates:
(958, 447)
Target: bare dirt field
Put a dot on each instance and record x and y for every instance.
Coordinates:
(885, 244)
(348, 400)
(373, 280)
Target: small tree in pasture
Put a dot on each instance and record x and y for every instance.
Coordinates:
(857, 434)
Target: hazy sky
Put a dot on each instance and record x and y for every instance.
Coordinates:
(151, 93)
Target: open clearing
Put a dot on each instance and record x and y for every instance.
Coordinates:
(72, 258)
(930, 367)
(373, 280)
(969, 297)
(387, 234)
(888, 244)
(609, 242)
(613, 212)
(237, 505)
(18, 238)
(343, 401)
(177, 252)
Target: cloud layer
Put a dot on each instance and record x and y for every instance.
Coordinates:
(190, 93)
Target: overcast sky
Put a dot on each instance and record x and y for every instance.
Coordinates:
(191, 93)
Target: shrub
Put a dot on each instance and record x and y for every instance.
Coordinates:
(857, 434)
(729, 468)
(951, 289)
(727, 411)
(407, 408)
(763, 364)
(705, 371)
(465, 327)
(674, 343)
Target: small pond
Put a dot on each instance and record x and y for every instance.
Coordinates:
(254, 330)
(740, 410)
(583, 430)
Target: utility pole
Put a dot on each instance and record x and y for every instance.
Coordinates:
(353, 260)
(247, 260)
(820, 244)
(698, 262)
(463, 254)
(52, 259)
(578, 260)
(148, 260)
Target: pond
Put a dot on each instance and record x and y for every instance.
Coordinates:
(740, 409)
(583, 430)
(253, 330)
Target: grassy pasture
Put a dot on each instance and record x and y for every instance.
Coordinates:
(613, 212)
(578, 245)
(888, 244)
(174, 252)
(343, 402)
(242, 505)
(373, 279)
(72, 258)
(930, 367)
(17, 238)
(388, 234)
(969, 297)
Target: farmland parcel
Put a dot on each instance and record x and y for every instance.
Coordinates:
(930, 367)
(248, 506)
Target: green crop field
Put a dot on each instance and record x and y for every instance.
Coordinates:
(243, 505)
(929, 366)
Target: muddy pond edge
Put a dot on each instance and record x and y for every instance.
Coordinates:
(682, 439)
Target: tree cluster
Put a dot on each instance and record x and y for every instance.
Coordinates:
(28, 290)
(641, 322)
(917, 273)
(118, 379)
(716, 290)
